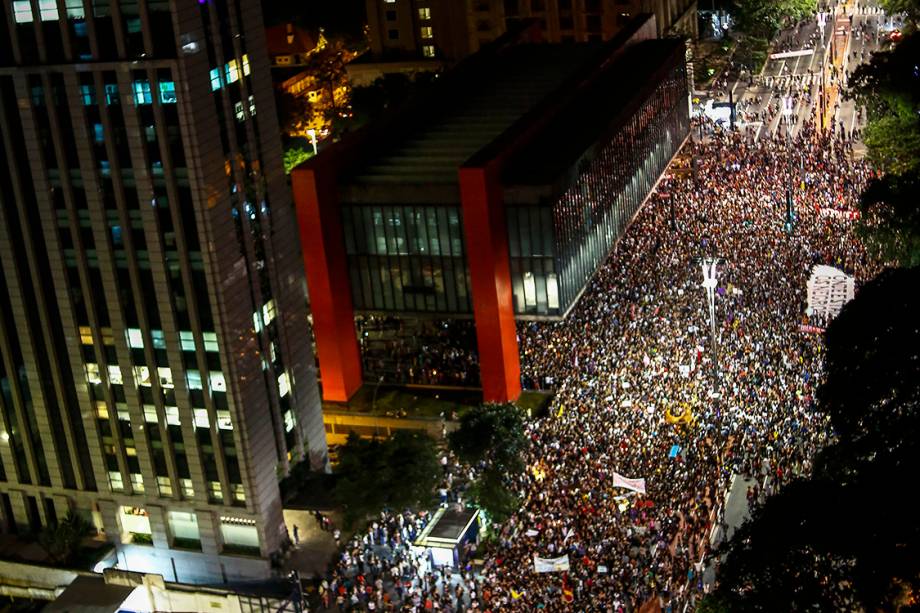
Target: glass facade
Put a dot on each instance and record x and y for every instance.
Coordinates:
(407, 258)
(591, 215)
(412, 258)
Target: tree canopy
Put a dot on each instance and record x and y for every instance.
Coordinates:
(491, 437)
(398, 472)
(764, 19)
(889, 87)
(846, 538)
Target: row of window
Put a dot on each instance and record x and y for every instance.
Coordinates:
(142, 377)
(232, 70)
(199, 415)
(135, 337)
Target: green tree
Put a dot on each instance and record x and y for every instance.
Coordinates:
(398, 472)
(763, 20)
(62, 541)
(911, 8)
(846, 538)
(491, 437)
(889, 87)
(294, 156)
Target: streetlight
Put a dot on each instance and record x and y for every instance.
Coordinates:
(710, 281)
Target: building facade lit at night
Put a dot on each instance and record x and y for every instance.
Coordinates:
(155, 360)
(495, 197)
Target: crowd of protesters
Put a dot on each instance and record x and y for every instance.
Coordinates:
(642, 391)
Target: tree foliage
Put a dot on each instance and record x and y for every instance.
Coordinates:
(846, 539)
(398, 472)
(491, 437)
(910, 8)
(764, 19)
(889, 87)
(62, 541)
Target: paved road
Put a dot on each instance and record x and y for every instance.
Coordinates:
(853, 30)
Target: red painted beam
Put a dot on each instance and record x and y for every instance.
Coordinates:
(326, 265)
(486, 233)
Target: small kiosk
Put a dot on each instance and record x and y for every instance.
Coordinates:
(444, 536)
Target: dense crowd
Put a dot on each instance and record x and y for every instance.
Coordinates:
(427, 352)
(637, 350)
(640, 392)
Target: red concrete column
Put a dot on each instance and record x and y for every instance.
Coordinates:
(325, 261)
(486, 233)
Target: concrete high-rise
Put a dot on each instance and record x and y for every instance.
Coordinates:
(156, 371)
(449, 31)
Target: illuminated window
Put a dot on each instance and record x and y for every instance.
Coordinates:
(187, 340)
(289, 420)
(239, 494)
(150, 414)
(232, 70)
(268, 311)
(257, 321)
(187, 490)
(201, 418)
(168, 92)
(102, 409)
(111, 93)
(88, 95)
(142, 93)
(135, 338)
(47, 9)
(427, 32)
(424, 14)
(166, 378)
(284, 384)
(215, 79)
(240, 112)
(22, 11)
(194, 379)
(246, 64)
(92, 373)
(210, 341)
(86, 335)
(115, 375)
(215, 491)
(137, 482)
(428, 50)
(252, 105)
(142, 376)
(107, 337)
(172, 416)
(74, 9)
(159, 341)
(224, 422)
(115, 481)
(121, 410)
(218, 384)
(164, 486)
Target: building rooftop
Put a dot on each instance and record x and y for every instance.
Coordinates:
(286, 39)
(538, 106)
(614, 94)
(431, 151)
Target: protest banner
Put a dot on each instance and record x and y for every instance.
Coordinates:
(550, 565)
(636, 485)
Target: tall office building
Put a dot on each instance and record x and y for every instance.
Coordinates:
(448, 31)
(155, 361)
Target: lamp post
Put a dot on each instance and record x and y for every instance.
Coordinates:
(710, 281)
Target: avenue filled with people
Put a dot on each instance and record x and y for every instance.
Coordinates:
(642, 391)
